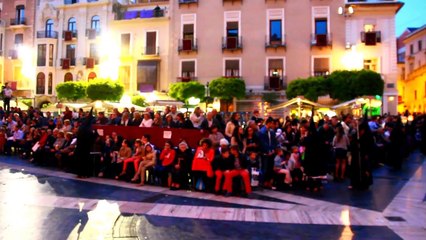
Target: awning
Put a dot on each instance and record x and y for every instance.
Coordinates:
(297, 101)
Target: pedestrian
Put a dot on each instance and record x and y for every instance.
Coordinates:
(85, 141)
(7, 95)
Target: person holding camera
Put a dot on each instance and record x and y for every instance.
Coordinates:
(7, 95)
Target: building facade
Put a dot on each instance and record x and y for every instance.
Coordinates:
(270, 43)
(413, 79)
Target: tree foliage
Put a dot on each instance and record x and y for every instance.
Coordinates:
(105, 89)
(182, 91)
(341, 85)
(139, 100)
(71, 91)
(228, 88)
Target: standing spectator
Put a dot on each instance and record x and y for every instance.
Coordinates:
(101, 119)
(219, 119)
(268, 143)
(7, 95)
(85, 141)
(340, 145)
(215, 135)
(209, 121)
(197, 117)
(250, 141)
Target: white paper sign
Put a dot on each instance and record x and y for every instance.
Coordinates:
(167, 134)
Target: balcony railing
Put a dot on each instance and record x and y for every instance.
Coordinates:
(69, 35)
(232, 43)
(18, 21)
(187, 79)
(181, 2)
(147, 13)
(92, 33)
(47, 34)
(232, 1)
(145, 1)
(275, 43)
(275, 83)
(321, 40)
(151, 51)
(371, 38)
(90, 62)
(187, 45)
(66, 63)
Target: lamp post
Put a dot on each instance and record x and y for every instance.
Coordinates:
(207, 95)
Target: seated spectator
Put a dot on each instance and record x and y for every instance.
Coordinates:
(146, 121)
(221, 164)
(3, 139)
(181, 167)
(14, 140)
(65, 154)
(168, 122)
(135, 159)
(215, 136)
(147, 161)
(124, 153)
(280, 167)
(125, 120)
(201, 165)
(114, 119)
(182, 122)
(157, 121)
(137, 119)
(239, 168)
(167, 157)
(101, 119)
(67, 127)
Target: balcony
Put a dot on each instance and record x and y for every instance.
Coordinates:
(66, 63)
(155, 51)
(68, 2)
(142, 14)
(232, 43)
(321, 40)
(90, 62)
(187, 45)
(187, 2)
(146, 1)
(187, 79)
(371, 38)
(18, 21)
(92, 33)
(275, 43)
(47, 34)
(69, 35)
(276, 83)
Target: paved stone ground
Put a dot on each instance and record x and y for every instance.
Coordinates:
(43, 203)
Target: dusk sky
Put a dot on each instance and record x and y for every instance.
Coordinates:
(413, 14)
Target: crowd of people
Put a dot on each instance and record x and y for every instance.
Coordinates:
(236, 155)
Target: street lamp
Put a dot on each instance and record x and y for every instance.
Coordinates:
(207, 95)
(346, 12)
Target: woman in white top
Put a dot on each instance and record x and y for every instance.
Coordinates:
(230, 126)
(340, 144)
(146, 121)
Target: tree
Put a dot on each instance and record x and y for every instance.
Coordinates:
(71, 91)
(341, 85)
(368, 83)
(105, 89)
(182, 91)
(139, 100)
(311, 88)
(227, 89)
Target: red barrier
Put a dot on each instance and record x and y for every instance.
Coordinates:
(158, 135)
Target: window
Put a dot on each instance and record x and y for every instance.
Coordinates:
(68, 77)
(415, 94)
(125, 43)
(188, 70)
(411, 49)
(188, 31)
(232, 29)
(371, 64)
(20, 14)
(41, 56)
(321, 66)
(96, 23)
(49, 28)
(320, 26)
(72, 25)
(410, 67)
(232, 68)
(147, 75)
(51, 55)
(19, 39)
(93, 51)
(275, 74)
(70, 53)
(419, 43)
(275, 31)
(369, 27)
(151, 43)
(50, 83)
(41, 82)
(91, 76)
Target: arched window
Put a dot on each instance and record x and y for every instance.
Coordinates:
(68, 77)
(49, 28)
(72, 25)
(95, 23)
(91, 76)
(41, 83)
(50, 83)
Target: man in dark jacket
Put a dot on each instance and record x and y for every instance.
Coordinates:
(85, 140)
